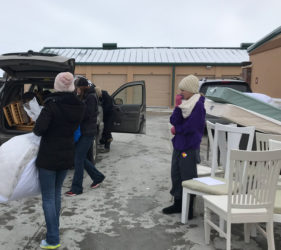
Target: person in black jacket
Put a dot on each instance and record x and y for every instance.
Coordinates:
(59, 118)
(88, 128)
(107, 106)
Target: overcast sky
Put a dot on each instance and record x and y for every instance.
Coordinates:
(34, 24)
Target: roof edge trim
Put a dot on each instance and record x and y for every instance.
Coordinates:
(271, 35)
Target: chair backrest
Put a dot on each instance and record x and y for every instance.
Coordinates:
(211, 133)
(253, 176)
(210, 128)
(262, 140)
(229, 138)
(274, 144)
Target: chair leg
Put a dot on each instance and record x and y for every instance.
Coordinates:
(247, 229)
(228, 235)
(185, 206)
(270, 235)
(253, 230)
(207, 228)
(221, 226)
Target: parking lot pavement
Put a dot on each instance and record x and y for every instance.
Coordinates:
(124, 213)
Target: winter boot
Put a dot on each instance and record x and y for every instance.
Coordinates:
(174, 209)
(107, 145)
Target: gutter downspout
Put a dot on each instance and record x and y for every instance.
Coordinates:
(173, 85)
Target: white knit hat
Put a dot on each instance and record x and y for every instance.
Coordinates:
(64, 82)
(190, 83)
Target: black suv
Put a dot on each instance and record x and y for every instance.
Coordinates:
(236, 84)
(31, 74)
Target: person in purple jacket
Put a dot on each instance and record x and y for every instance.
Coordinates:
(188, 120)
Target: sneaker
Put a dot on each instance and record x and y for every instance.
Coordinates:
(70, 193)
(45, 245)
(97, 184)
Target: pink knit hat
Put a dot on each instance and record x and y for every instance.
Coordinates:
(64, 82)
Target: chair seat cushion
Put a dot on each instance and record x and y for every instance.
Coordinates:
(277, 204)
(204, 188)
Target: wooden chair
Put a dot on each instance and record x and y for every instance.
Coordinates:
(263, 139)
(207, 170)
(229, 138)
(252, 180)
(274, 145)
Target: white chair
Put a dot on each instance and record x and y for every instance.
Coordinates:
(262, 140)
(229, 138)
(274, 145)
(203, 170)
(252, 180)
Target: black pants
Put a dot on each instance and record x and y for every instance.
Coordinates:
(183, 168)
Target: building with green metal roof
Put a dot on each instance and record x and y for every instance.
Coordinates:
(162, 68)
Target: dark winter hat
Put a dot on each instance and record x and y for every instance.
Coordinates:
(82, 82)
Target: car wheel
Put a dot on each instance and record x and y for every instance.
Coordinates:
(92, 153)
(95, 150)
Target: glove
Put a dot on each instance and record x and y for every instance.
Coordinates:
(173, 130)
(178, 100)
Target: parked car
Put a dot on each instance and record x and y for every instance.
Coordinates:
(31, 74)
(236, 84)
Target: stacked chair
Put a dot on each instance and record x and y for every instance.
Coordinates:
(225, 138)
(251, 188)
(203, 170)
(275, 145)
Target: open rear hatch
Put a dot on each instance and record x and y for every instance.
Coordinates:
(28, 75)
(35, 65)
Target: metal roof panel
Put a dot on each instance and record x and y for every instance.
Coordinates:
(156, 55)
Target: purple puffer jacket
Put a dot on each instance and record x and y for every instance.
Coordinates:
(189, 131)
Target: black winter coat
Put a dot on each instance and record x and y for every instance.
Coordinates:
(106, 102)
(58, 120)
(88, 125)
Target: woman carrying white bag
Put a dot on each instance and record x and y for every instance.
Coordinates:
(59, 118)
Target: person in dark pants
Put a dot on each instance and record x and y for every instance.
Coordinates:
(88, 129)
(60, 117)
(107, 106)
(188, 120)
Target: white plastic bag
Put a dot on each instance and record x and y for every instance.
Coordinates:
(15, 155)
(32, 108)
(17, 158)
(28, 184)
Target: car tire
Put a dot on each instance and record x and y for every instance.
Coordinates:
(93, 152)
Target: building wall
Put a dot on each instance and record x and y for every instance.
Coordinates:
(266, 73)
(161, 86)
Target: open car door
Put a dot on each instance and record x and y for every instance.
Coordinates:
(129, 108)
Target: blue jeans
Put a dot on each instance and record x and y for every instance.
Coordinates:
(51, 184)
(81, 151)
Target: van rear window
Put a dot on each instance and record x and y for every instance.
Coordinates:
(242, 88)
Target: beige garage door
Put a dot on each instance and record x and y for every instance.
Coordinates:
(157, 89)
(109, 82)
